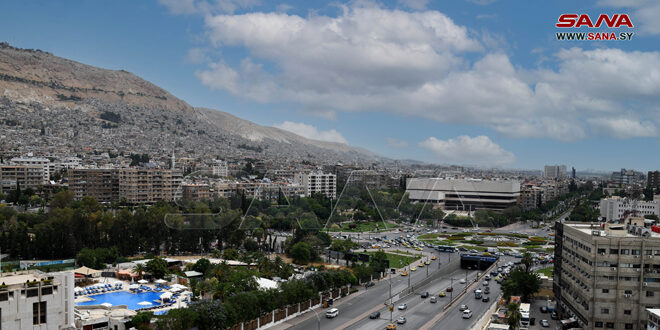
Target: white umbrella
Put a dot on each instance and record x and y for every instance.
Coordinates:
(175, 290)
(144, 303)
(133, 286)
(106, 304)
(143, 281)
(166, 295)
(78, 289)
(160, 281)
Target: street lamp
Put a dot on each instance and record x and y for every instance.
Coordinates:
(318, 319)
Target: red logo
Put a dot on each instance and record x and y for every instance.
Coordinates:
(578, 21)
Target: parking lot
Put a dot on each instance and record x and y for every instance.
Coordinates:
(536, 314)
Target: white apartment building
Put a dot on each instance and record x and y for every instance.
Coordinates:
(37, 301)
(615, 207)
(653, 317)
(34, 161)
(317, 182)
(554, 171)
(220, 168)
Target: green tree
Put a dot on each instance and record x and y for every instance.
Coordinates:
(513, 315)
(139, 269)
(157, 267)
(521, 283)
(141, 320)
(301, 253)
(202, 265)
(527, 261)
(379, 262)
(178, 318)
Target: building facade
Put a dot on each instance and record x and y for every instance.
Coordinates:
(653, 179)
(27, 176)
(39, 301)
(617, 208)
(318, 183)
(606, 275)
(554, 171)
(464, 194)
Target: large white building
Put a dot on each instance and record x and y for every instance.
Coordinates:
(464, 194)
(37, 301)
(317, 183)
(554, 171)
(220, 168)
(34, 161)
(616, 208)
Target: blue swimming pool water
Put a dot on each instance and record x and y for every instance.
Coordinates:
(131, 300)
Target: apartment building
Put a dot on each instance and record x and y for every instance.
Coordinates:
(36, 300)
(531, 197)
(27, 176)
(464, 194)
(131, 185)
(554, 171)
(317, 183)
(34, 161)
(220, 168)
(606, 275)
(653, 179)
(617, 208)
(196, 192)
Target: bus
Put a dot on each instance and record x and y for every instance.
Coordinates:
(524, 316)
(446, 248)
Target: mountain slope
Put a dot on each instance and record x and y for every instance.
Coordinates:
(55, 103)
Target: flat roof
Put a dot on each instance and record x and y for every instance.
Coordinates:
(588, 229)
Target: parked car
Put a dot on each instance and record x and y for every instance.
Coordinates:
(425, 294)
(485, 283)
(545, 323)
(449, 289)
(554, 315)
(462, 281)
(374, 315)
(487, 290)
(369, 284)
(401, 320)
(390, 326)
(442, 294)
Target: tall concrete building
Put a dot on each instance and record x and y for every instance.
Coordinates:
(464, 194)
(606, 275)
(27, 176)
(653, 179)
(554, 171)
(626, 177)
(39, 301)
(220, 168)
(317, 183)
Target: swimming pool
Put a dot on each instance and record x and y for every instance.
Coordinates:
(131, 300)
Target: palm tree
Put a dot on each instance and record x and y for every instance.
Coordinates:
(139, 269)
(527, 261)
(513, 315)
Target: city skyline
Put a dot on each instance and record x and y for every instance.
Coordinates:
(471, 82)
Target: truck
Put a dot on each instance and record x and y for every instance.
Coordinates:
(524, 316)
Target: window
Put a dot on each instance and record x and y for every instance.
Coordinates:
(601, 251)
(649, 293)
(604, 310)
(599, 324)
(648, 252)
(606, 290)
(625, 251)
(609, 325)
(627, 292)
(636, 252)
(616, 251)
(39, 313)
(627, 312)
(629, 325)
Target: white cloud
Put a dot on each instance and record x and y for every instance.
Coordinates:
(482, 2)
(416, 64)
(196, 56)
(624, 128)
(478, 150)
(414, 4)
(311, 132)
(205, 7)
(645, 12)
(396, 143)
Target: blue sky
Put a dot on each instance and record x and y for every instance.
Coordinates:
(475, 82)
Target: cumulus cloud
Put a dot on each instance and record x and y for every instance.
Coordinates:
(645, 13)
(311, 132)
(396, 143)
(414, 4)
(478, 150)
(624, 128)
(422, 64)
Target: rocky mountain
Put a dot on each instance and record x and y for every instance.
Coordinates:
(48, 103)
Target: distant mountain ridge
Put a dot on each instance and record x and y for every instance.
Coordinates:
(116, 109)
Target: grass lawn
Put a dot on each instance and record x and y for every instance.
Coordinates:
(397, 261)
(365, 227)
(546, 271)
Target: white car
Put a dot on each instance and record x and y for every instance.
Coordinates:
(462, 281)
(402, 307)
(467, 314)
(332, 313)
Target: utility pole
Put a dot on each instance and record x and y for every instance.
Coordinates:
(391, 302)
(451, 293)
(428, 266)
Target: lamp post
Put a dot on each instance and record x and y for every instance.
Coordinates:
(318, 319)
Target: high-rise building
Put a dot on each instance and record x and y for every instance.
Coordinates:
(554, 171)
(606, 275)
(25, 176)
(626, 177)
(573, 176)
(464, 194)
(35, 300)
(220, 168)
(653, 179)
(317, 183)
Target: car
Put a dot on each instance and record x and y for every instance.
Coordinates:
(434, 299)
(462, 281)
(433, 258)
(545, 323)
(474, 251)
(427, 262)
(421, 264)
(543, 309)
(462, 307)
(485, 299)
(487, 277)
(442, 294)
(391, 326)
(413, 269)
(554, 315)
(418, 248)
(485, 283)
(425, 294)
(402, 307)
(401, 320)
(374, 315)
(467, 314)
(404, 273)
(331, 313)
(369, 284)
(487, 290)
(449, 289)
